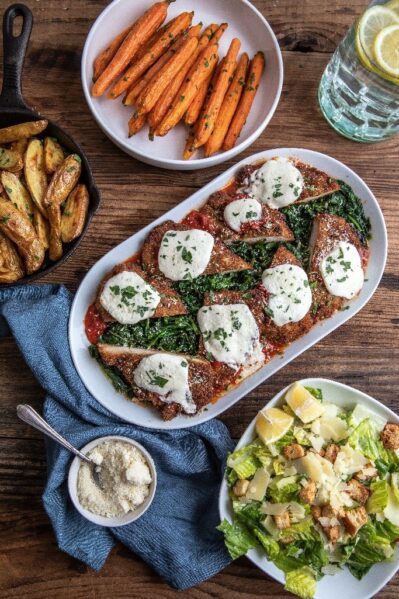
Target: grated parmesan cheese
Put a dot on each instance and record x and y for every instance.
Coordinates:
(125, 478)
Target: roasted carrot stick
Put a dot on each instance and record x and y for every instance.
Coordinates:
(160, 109)
(155, 36)
(228, 108)
(251, 87)
(138, 87)
(219, 32)
(196, 76)
(196, 105)
(139, 67)
(194, 109)
(189, 147)
(105, 57)
(136, 123)
(212, 105)
(141, 31)
(151, 94)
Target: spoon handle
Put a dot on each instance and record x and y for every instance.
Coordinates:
(31, 417)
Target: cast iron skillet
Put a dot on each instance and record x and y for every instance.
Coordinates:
(13, 110)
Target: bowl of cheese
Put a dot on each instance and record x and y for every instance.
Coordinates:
(127, 477)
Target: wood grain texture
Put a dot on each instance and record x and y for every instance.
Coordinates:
(364, 352)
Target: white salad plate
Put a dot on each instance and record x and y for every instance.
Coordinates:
(245, 22)
(90, 372)
(342, 585)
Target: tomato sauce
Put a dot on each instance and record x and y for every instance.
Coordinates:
(197, 220)
(94, 324)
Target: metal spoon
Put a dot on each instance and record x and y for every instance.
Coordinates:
(31, 417)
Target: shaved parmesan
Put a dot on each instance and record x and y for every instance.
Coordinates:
(349, 461)
(258, 485)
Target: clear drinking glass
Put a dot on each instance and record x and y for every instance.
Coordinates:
(359, 100)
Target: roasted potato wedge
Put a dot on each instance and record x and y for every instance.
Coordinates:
(55, 242)
(17, 193)
(35, 174)
(20, 146)
(11, 269)
(75, 212)
(18, 228)
(15, 132)
(42, 228)
(63, 181)
(53, 155)
(10, 161)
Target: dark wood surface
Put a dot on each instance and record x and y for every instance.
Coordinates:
(363, 353)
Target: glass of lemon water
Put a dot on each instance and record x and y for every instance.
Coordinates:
(359, 90)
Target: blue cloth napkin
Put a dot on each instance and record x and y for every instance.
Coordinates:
(177, 535)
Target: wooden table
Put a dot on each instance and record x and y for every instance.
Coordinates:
(363, 353)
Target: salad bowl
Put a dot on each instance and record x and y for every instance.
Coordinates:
(342, 584)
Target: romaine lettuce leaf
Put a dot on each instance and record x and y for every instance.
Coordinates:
(286, 439)
(317, 393)
(365, 438)
(301, 582)
(369, 549)
(378, 499)
(268, 543)
(282, 494)
(246, 460)
(237, 538)
(387, 531)
(243, 461)
(301, 531)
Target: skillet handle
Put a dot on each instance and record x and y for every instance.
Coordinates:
(14, 50)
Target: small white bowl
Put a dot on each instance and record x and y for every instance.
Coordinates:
(117, 520)
(245, 22)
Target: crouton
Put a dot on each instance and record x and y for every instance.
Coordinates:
(283, 520)
(241, 487)
(368, 472)
(308, 493)
(332, 533)
(331, 452)
(357, 491)
(328, 512)
(293, 451)
(354, 519)
(316, 511)
(390, 436)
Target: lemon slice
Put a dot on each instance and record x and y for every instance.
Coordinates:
(303, 403)
(272, 424)
(386, 50)
(371, 23)
(393, 5)
(373, 67)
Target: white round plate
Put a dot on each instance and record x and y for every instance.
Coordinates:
(342, 585)
(245, 22)
(90, 372)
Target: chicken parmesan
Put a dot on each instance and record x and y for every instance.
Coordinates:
(210, 300)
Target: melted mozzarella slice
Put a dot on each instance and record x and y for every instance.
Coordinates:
(167, 376)
(242, 211)
(290, 295)
(128, 298)
(276, 183)
(185, 254)
(342, 271)
(230, 333)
